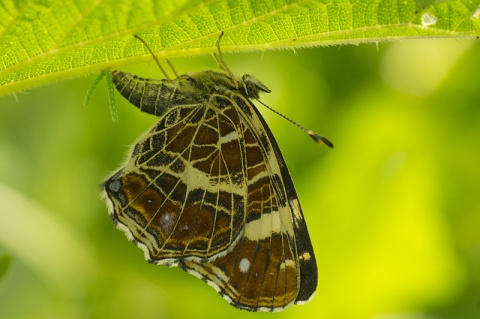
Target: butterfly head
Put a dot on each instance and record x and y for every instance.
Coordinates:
(253, 86)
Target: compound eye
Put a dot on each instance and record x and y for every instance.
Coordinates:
(253, 86)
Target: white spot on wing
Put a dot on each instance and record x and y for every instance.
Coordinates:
(305, 256)
(166, 222)
(244, 265)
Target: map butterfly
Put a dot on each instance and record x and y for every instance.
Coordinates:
(206, 189)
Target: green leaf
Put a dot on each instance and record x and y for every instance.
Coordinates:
(42, 41)
(5, 261)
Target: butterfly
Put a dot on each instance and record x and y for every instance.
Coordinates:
(207, 189)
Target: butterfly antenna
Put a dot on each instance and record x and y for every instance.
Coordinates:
(221, 62)
(154, 57)
(316, 137)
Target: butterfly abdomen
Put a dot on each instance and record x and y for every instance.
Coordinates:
(155, 96)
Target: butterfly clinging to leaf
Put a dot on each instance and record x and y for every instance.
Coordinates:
(206, 189)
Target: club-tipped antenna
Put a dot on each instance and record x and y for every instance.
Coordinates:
(316, 137)
(221, 62)
(155, 58)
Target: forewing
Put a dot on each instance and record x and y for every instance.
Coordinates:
(268, 268)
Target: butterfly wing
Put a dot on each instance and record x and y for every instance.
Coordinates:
(207, 189)
(176, 197)
(272, 265)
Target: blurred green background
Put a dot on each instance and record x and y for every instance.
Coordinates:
(393, 210)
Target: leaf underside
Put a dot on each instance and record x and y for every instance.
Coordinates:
(44, 41)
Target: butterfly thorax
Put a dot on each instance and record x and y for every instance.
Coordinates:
(155, 96)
